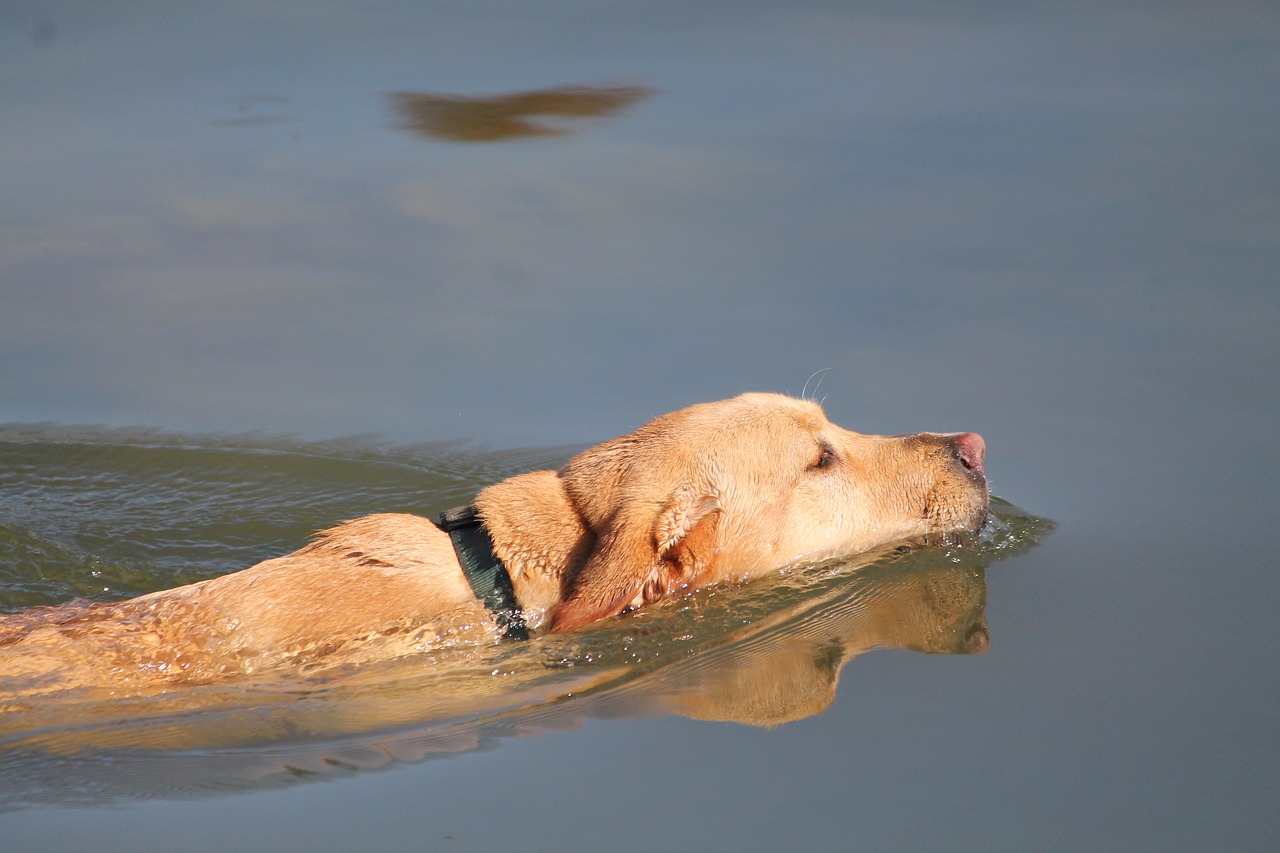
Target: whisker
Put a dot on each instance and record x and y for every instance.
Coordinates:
(804, 392)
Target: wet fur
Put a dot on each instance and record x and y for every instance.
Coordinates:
(716, 492)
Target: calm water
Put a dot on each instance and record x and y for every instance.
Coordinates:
(233, 235)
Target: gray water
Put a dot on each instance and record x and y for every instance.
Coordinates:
(238, 236)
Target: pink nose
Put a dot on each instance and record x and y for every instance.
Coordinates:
(970, 449)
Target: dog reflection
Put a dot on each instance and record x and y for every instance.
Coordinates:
(779, 675)
(780, 668)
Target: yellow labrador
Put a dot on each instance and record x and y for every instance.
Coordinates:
(723, 491)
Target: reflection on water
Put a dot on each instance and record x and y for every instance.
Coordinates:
(457, 118)
(764, 654)
(1057, 224)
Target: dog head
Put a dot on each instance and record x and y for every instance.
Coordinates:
(737, 488)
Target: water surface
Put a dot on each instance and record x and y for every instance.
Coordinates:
(1055, 224)
(762, 655)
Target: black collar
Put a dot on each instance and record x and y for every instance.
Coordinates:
(485, 572)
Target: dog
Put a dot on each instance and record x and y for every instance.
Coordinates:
(714, 493)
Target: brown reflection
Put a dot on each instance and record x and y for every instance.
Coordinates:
(762, 655)
(782, 672)
(778, 668)
(491, 118)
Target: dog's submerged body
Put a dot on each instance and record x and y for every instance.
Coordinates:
(722, 491)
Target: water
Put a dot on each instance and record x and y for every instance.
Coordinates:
(226, 243)
(763, 655)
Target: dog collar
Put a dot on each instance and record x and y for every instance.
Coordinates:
(489, 579)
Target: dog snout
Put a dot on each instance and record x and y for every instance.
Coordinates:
(977, 640)
(971, 450)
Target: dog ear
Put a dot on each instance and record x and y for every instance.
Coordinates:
(641, 554)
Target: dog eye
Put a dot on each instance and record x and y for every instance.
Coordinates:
(826, 457)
